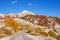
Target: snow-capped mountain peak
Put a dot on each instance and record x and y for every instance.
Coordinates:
(25, 12)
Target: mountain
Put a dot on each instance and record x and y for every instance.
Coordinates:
(25, 12)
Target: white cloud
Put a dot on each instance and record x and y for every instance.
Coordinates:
(13, 2)
(29, 4)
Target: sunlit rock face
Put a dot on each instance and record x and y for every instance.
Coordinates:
(46, 20)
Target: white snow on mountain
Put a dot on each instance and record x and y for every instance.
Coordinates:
(25, 12)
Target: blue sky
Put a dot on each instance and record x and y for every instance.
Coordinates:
(45, 7)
